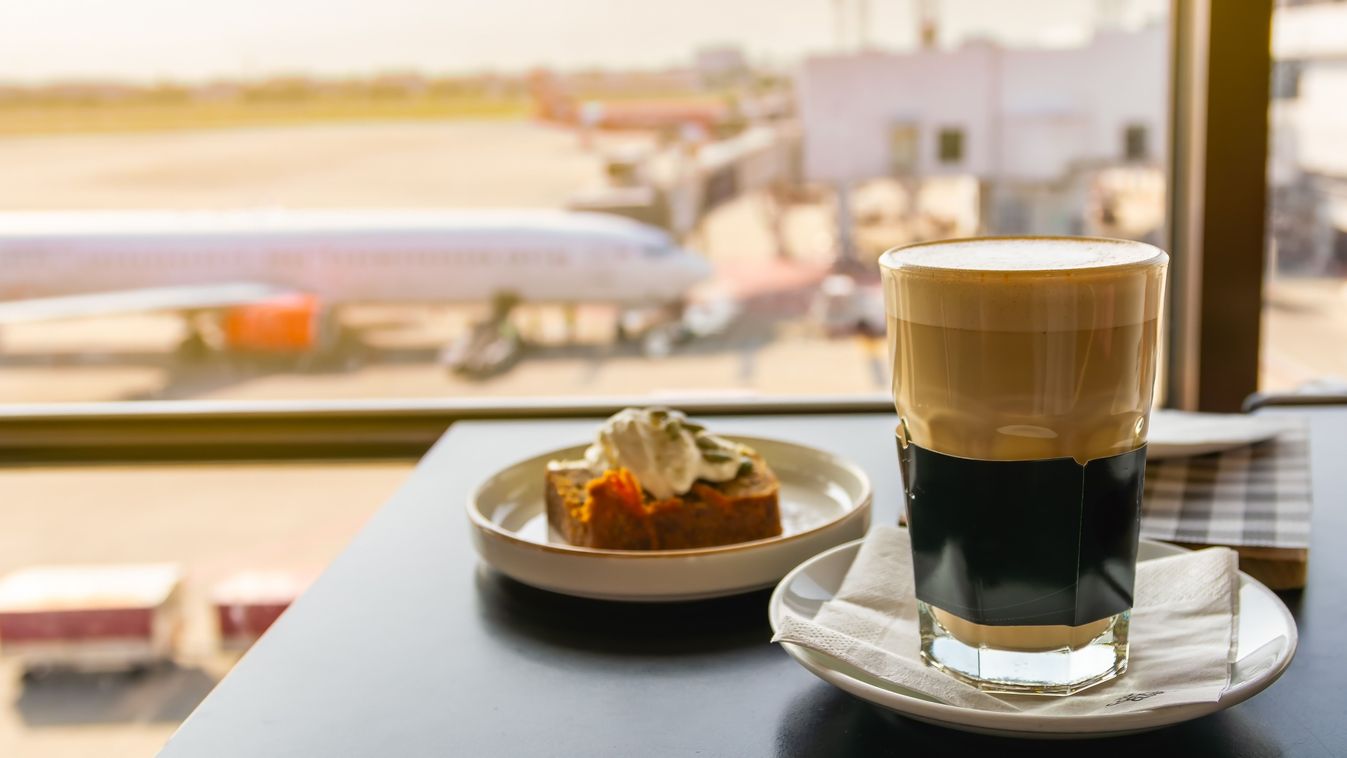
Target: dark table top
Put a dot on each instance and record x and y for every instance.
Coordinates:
(406, 646)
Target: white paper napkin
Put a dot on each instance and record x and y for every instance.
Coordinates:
(1183, 633)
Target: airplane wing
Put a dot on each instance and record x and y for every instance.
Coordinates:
(183, 298)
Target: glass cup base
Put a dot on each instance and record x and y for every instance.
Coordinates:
(1059, 670)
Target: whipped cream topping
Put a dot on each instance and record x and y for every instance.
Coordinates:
(664, 450)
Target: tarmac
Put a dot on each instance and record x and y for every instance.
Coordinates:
(212, 520)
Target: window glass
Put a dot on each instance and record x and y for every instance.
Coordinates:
(246, 536)
(1305, 303)
(659, 200)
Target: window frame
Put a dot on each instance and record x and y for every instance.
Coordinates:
(198, 430)
(1217, 200)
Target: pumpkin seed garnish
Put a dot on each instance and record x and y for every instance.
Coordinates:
(708, 443)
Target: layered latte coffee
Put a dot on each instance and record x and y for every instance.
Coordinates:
(1023, 371)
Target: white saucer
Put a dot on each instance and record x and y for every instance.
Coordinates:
(1179, 434)
(1263, 621)
(825, 501)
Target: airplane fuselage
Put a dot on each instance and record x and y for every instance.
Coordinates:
(349, 256)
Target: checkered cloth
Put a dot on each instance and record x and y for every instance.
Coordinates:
(1258, 495)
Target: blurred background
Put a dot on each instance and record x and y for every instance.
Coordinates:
(296, 200)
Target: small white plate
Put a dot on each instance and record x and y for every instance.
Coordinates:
(1178, 434)
(1263, 621)
(824, 501)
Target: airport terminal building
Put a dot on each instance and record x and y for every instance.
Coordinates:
(1040, 130)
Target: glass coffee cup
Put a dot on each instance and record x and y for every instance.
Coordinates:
(1023, 370)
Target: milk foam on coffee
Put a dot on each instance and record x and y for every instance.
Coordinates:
(1016, 284)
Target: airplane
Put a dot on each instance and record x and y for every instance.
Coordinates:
(273, 281)
(556, 103)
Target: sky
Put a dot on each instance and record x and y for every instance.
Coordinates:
(188, 40)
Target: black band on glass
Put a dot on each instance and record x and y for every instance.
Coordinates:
(1012, 543)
